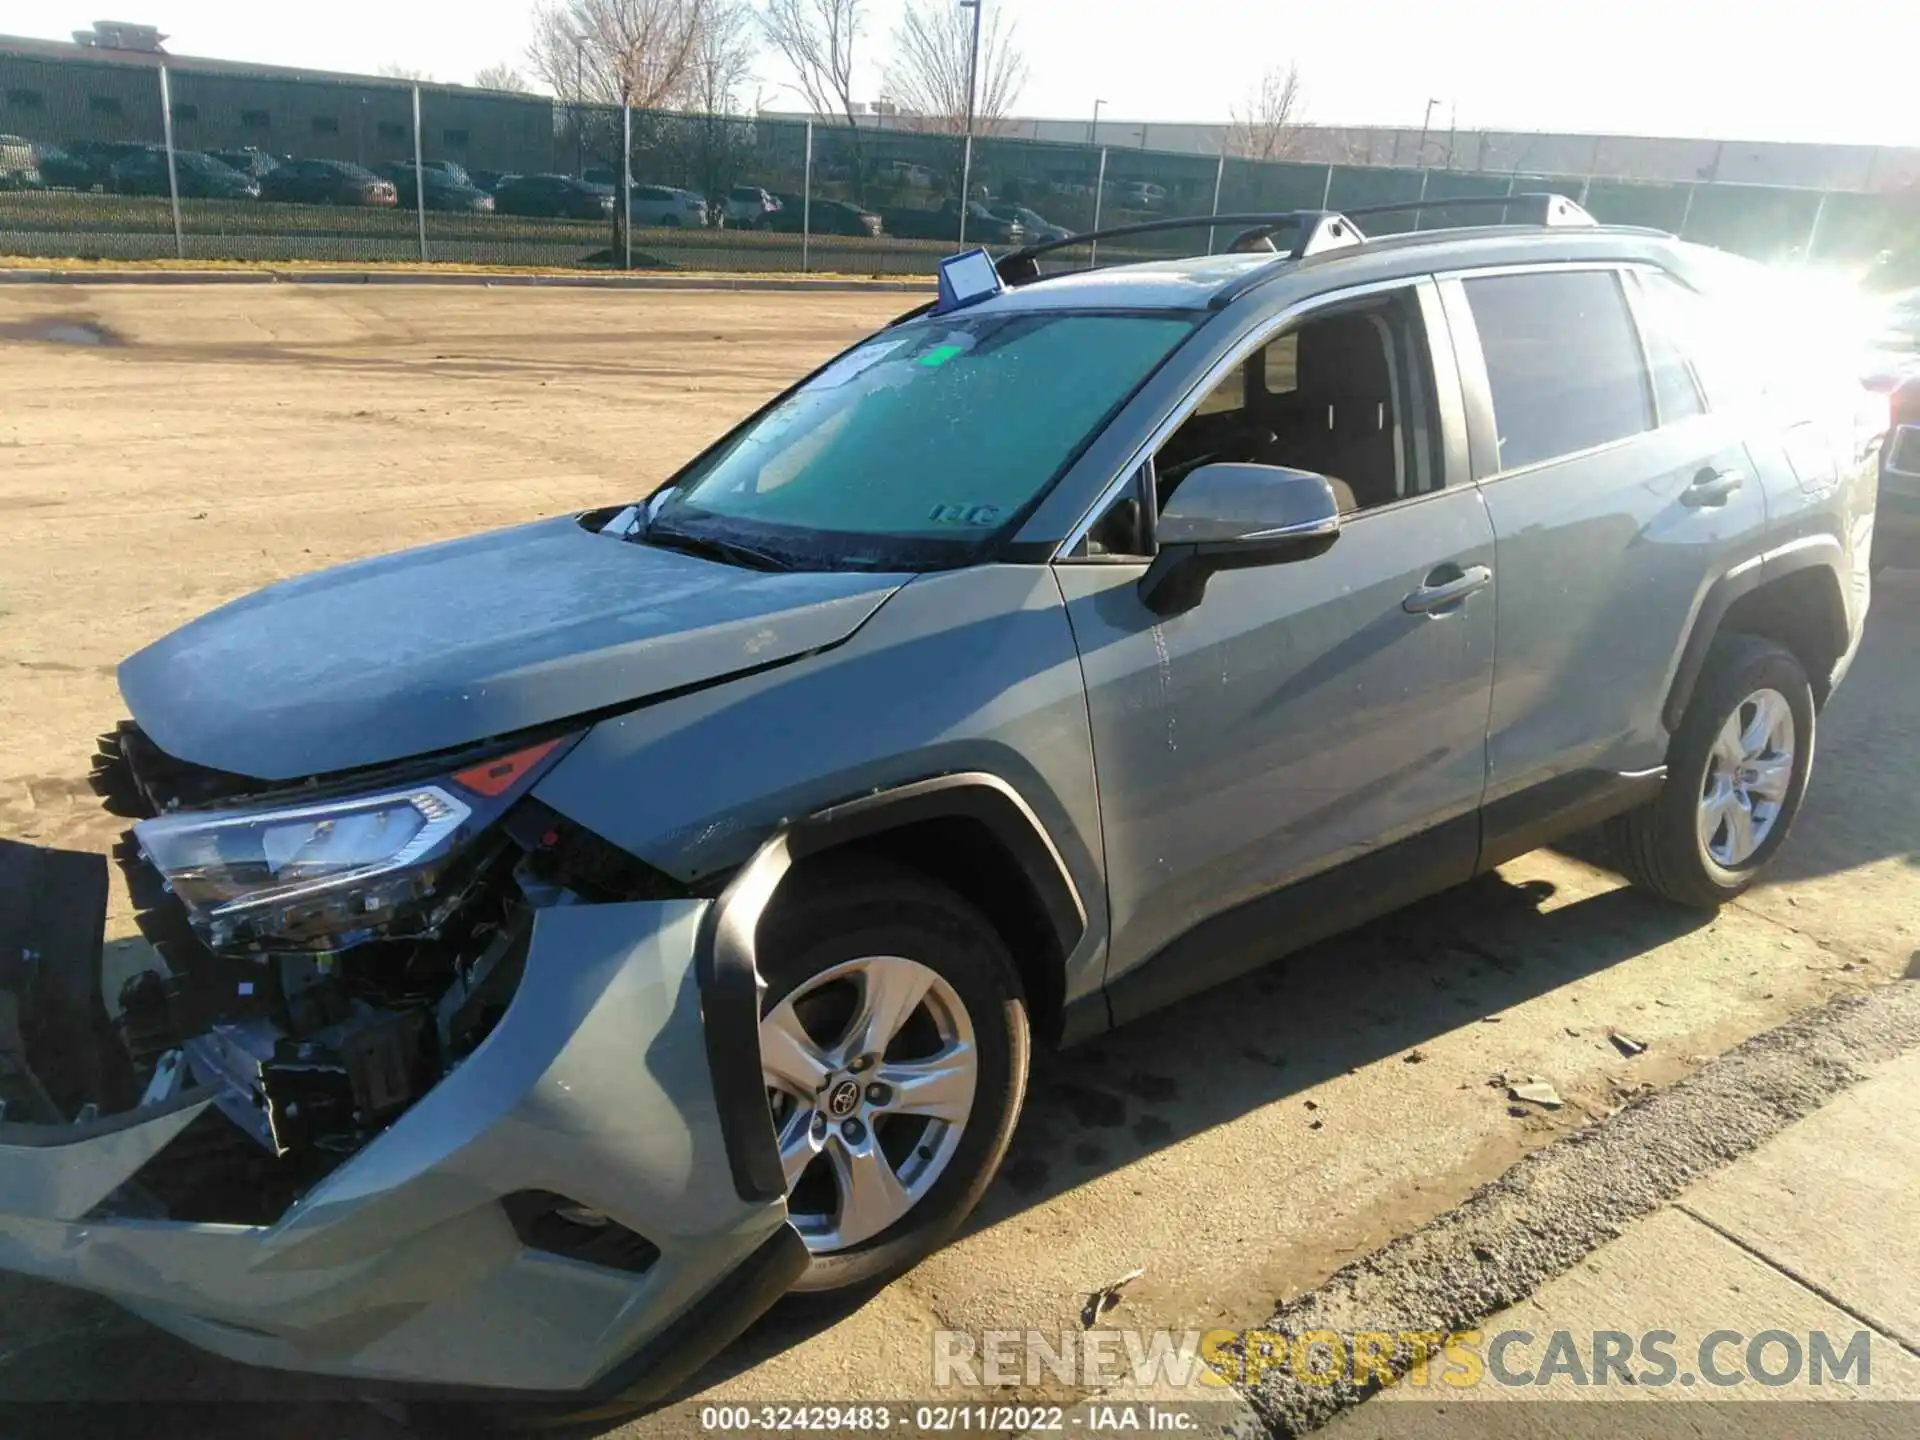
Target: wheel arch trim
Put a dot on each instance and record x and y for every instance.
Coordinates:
(1809, 552)
(732, 988)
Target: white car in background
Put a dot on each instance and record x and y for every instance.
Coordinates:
(667, 206)
(19, 164)
(1900, 323)
(748, 207)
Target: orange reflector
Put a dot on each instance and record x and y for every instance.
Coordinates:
(496, 777)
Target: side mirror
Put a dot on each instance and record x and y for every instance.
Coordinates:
(1227, 517)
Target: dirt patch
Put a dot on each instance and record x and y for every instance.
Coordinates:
(87, 333)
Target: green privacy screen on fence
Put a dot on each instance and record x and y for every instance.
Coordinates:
(139, 157)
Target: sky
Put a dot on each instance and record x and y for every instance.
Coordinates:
(1836, 71)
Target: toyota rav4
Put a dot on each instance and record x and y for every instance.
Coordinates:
(573, 937)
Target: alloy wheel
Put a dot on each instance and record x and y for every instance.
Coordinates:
(870, 1068)
(1749, 769)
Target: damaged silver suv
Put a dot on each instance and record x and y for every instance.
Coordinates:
(574, 937)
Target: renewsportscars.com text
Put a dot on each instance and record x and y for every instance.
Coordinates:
(1458, 1359)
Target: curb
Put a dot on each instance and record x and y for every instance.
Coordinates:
(561, 280)
(1562, 1202)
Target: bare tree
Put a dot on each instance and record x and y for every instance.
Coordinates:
(722, 58)
(392, 71)
(618, 52)
(1267, 125)
(500, 77)
(927, 76)
(816, 38)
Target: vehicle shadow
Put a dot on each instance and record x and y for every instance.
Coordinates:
(1339, 1006)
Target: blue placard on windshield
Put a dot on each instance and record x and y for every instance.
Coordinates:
(967, 279)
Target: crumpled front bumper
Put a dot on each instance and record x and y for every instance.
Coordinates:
(403, 1265)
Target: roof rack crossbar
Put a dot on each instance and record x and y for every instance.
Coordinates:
(1318, 230)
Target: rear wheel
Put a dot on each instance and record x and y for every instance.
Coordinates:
(894, 1045)
(1736, 773)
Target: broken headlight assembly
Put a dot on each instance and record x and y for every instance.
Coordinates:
(328, 874)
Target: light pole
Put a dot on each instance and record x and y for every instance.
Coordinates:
(579, 95)
(973, 58)
(1420, 155)
(973, 73)
(1093, 129)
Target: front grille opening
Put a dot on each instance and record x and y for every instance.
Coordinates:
(212, 1173)
(559, 1226)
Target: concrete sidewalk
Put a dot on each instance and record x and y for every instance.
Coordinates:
(1815, 1233)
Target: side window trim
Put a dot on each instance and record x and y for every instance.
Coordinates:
(1477, 390)
(1257, 338)
(1641, 304)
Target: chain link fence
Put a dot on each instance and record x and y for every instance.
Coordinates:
(135, 158)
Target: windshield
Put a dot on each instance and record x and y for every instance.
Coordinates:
(914, 449)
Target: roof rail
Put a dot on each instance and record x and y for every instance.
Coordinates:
(1533, 207)
(1313, 231)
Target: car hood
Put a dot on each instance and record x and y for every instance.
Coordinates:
(454, 643)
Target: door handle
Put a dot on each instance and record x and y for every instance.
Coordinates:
(1437, 594)
(1711, 487)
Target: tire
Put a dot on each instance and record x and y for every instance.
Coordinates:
(836, 925)
(1663, 846)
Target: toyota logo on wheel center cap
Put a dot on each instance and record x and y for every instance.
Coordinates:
(843, 1099)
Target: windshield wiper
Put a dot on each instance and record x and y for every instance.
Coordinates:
(707, 547)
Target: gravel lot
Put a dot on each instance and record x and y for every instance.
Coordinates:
(163, 449)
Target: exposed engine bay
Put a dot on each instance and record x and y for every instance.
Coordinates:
(327, 953)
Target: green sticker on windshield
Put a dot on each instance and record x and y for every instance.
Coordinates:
(939, 355)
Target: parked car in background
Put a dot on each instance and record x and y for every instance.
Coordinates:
(199, 177)
(488, 180)
(748, 207)
(906, 172)
(1896, 529)
(1900, 323)
(826, 217)
(983, 226)
(443, 190)
(668, 206)
(552, 197)
(59, 170)
(19, 164)
(1036, 228)
(93, 160)
(453, 170)
(1139, 195)
(327, 182)
(248, 160)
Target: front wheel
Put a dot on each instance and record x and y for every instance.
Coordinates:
(894, 1046)
(1736, 773)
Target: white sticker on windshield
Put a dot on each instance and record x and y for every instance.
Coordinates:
(848, 366)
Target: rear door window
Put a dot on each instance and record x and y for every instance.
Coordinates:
(1563, 362)
(1670, 322)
